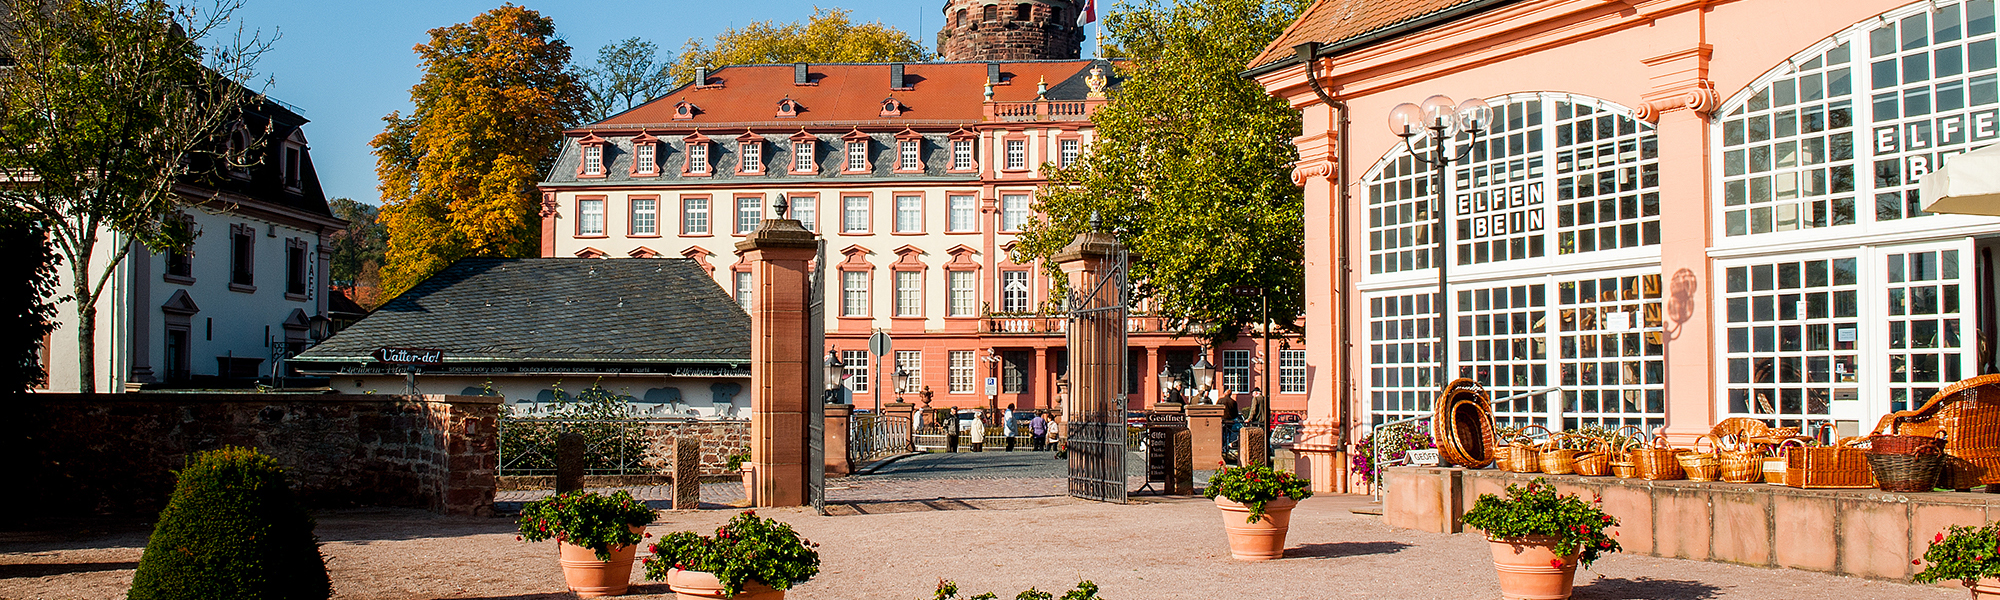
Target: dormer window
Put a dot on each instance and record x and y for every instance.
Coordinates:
(803, 148)
(699, 149)
(592, 163)
(685, 110)
(749, 153)
(788, 108)
(909, 155)
(239, 143)
(645, 155)
(892, 108)
(857, 155)
(909, 152)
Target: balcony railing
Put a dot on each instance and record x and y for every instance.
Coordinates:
(1042, 110)
(1057, 324)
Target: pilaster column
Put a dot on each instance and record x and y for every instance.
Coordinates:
(780, 359)
(1678, 104)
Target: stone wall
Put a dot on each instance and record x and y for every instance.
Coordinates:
(1044, 35)
(719, 439)
(115, 454)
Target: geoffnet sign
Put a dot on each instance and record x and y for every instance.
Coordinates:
(416, 357)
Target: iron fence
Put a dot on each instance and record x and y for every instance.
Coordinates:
(873, 437)
(611, 446)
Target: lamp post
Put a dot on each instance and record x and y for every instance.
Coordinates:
(1204, 373)
(902, 381)
(1439, 119)
(1166, 383)
(836, 371)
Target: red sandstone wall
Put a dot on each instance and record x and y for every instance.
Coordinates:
(719, 439)
(114, 454)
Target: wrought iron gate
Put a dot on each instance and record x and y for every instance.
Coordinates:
(1095, 435)
(872, 437)
(816, 384)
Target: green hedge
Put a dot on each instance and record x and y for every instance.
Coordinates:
(232, 530)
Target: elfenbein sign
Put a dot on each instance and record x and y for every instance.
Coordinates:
(420, 357)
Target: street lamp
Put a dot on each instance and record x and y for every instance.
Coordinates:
(1166, 383)
(1439, 119)
(835, 372)
(1204, 373)
(902, 376)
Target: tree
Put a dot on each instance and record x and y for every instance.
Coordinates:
(628, 74)
(458, 175)
(357, 250)
(1192, 167)
(827, 37)
(107, 106)
(28, 306)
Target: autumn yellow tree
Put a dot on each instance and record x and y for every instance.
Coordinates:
(829, 36)
(458, 174)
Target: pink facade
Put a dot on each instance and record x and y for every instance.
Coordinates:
(1704, 204)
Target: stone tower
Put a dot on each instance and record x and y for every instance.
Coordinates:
(985, 30)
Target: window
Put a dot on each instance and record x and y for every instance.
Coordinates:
(961, 371)
(990, 13)
(911, 362)
(802, 156)
(1291, 371)
(180, 261)
(856, 370)
(1013, 211)
(593, 160)
(909, 293)
(1070, 149)
(909, 214)
(1503, 343)
(697, 161)
(1402, 362)
(176, 355)
(645, 159)
(1793, 338)
(694, 215)
(854, 293)
(854, 214)
(295, 267)
(806, 210)
(645, 216)
(961, 155)
(1017, 154)
(964, 214)
(1014, 291)
(590, 217)
(293, 158)
(1014, 372)
(1236, 370)
(964, 292)
(1024, 12)
(242, 255)
(749, 212)
(909, 156)
(1609, 352)
(857, 155)
(745, 286)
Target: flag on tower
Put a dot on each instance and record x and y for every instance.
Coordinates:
(1088, 14)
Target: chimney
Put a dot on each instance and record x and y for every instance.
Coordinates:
(700, 76)
(993, 73)
(799, 74)
(896, 77)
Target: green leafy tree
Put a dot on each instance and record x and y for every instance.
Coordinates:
(829, 36)
(358, 250)
(232, 530)
(628, 74)
(28, 305)
(1192, 167)
(458, 174)
(109, 104)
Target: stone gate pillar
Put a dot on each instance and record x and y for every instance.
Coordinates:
(780, 359)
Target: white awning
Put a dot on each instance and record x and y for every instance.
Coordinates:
(1968, 184)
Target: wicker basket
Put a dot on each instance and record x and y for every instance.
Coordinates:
(1621, 452)
(1463, 425)
(1559, 453)
(1658, 461)
(1595, 462)
(1524, 456)
(1741, 459)
(1905, 463)
(1774, 470)
(1700, 465)
(1842, 465)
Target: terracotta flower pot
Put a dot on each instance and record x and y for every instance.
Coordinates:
(1530, 569)
(1263, 540)
(592, 578)
(702, 585)
(1986, 589)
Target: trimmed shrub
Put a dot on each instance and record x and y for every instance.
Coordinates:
(232, 530)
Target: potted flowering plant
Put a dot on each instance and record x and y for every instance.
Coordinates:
(1969, 554)
(1539, 537)
(1256, 505)
(748, 558)
(1395, 442)
(597, 535)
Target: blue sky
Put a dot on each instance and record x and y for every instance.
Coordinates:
(347, 64)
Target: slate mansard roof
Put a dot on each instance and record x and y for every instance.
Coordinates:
(555, 310)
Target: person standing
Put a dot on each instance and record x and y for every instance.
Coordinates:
(1008, 427)
(978, 432)
(1039, 428)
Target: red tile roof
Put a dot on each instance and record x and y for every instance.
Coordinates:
(1335, 21)
(939, 92)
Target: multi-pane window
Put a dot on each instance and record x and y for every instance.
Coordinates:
(1017, 154)
(854, 293)
(1610, 355)
(242, 255)
(857, 155)
(806, 210)
(1069, 150)
(1399, 216)
(1291, 371)
(964, 213)
(694, 215)
(911, 362)
(802, 156)
(964, 292)
(645, 158)
(909, 214)
(751, 156)
(749, 212)
(1014, 291)
(854, 214)
(1402, 364)
(645, 216)
(593, 159)
(856, 370)
(1236, 370)
(908, 156)
(1014, 372)
(909, 293)
(697, 160)
(745, 286)
(1014, 211)
(1927, 326)
(961, 155)
(1501, 342)
(1607, 180)
(1792, 337)
(961, 371)
(590, 220)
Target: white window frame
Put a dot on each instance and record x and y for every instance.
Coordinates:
(909, 154)
(909, 214)
(593, 159)
(961, 155)
(590, 216)
(1292, 372)
(964, 293)
(857, 156)
(912, 362)
(751, 156)
(909, 293)
(697, 158)
(645, 217)
(802, 156)
(806, 210)
(1016, 300)
(964, 215)
(749, 212)
(746, 288)
(1236, 370)
(645, 158)
(695, 215)
(856, 369)
(1014, 211)
(854, 293)
(1017, 155)
(1071, 149)
(854, 216)
(962, 365)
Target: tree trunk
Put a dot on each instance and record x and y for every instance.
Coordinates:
(86, 337)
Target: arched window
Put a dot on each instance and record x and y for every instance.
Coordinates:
(992, 13)
(1024, 12)
(958, 19)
